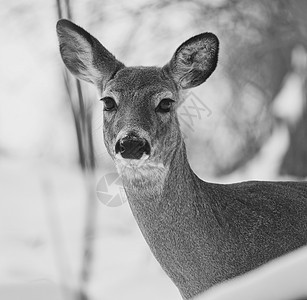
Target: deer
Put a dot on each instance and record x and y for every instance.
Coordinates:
(201, 233)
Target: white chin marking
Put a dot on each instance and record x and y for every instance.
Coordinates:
(130, 163)
(139, 168)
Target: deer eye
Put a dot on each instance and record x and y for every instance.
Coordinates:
(109, 103)
(165, 105)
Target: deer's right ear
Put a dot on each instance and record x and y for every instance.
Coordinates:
(194, 61)
(84, 56)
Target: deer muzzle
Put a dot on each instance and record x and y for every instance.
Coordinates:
(132, 146)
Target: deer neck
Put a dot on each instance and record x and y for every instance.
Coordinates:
(169, 207)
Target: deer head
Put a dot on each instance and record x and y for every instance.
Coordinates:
(140, 121)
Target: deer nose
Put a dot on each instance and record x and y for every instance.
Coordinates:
(132, 147)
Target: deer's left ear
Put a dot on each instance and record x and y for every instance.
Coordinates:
(194, 61)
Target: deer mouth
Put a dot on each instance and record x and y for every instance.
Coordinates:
(139, 169)
(132, 163)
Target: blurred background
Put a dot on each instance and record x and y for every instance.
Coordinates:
(248, 121)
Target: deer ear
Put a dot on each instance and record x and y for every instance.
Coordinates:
(84, 56)
(194, 61)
